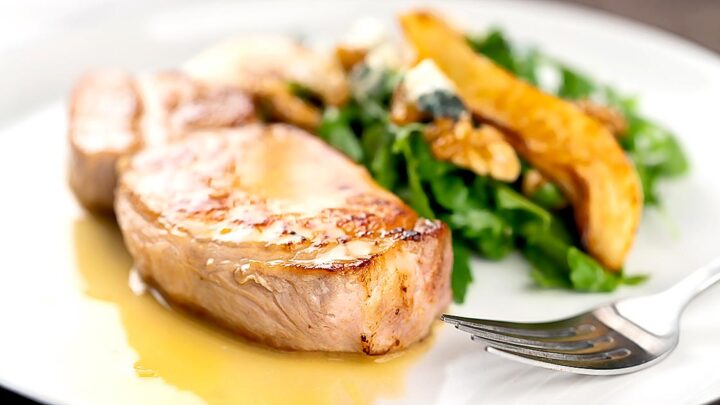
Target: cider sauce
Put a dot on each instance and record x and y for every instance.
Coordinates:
(194, 356)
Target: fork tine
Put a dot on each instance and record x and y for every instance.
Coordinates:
(566, 345)
(576, 359)
(598, 368)
(558, 329)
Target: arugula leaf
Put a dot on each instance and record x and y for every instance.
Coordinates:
(655, 152)
(461, 275)
(482, 191)
(527, 66)
(549, 196)
(377, 141)
(335, 129)
(305, 93)
(495, 46)
(488, 232)
(429, 167)
(648, 181)
(546, 272)
(557, 264)
(574, 85)
(451, 193)
(549, 248)
(653, 146)
(636, 279)
(417, 196)
(588, 275)
(520, 210)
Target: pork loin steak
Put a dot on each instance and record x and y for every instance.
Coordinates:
(113, 114)
(279, 237)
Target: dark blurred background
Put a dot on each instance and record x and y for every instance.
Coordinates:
(697, 20)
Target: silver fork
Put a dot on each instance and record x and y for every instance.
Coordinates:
(618, 338)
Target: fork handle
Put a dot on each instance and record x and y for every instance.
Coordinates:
(692, 285)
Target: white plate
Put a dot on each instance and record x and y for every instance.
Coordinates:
(65, 336)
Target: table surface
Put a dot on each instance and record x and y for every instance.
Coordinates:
(696, 20)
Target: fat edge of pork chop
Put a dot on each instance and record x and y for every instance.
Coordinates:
(114, 114)
(282, 239)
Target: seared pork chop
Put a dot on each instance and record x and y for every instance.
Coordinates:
(114, 114)
(283, 239)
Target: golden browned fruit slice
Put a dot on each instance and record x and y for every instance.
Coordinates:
(565, 144)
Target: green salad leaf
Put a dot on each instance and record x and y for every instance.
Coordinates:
(336, 130)
(305, 93)
(656, 153)
(461, 274)
(377, 143)
(574, 86)
(414, 155)
(549, 196)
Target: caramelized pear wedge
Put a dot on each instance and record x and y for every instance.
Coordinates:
(558, 138)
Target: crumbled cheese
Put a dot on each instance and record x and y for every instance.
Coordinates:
(425, 78)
